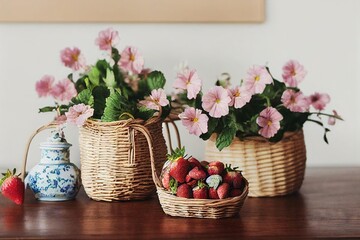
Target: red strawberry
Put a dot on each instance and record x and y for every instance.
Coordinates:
(233, 177)
(184, 191)
(12, 187)
(215, 168)
(200, 191)
(213, 193)
(194, 162)
(235, 192)
(197, 173)
(204, 164)
(223, 190)
(165, 179)
(191, 182)
(179, 167)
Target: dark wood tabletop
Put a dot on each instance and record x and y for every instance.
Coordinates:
(327, 206)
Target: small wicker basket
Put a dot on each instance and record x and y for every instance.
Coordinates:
(196, 208)
(272, 169)
(115, 159)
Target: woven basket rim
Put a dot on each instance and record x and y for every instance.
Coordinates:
(123, 122)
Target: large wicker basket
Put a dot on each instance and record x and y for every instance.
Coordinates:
(272, 169)
(196, 208)
(115, 159)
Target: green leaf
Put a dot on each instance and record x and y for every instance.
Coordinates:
(47, 109)
(212, 124)
(117, 108)
(225, 138)
(110, 79)
(156, 80)
(84, 97)
(145, 113)
(115, 55)
(100, 94)
(94, 76)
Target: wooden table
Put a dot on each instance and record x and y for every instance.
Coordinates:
(327, 206)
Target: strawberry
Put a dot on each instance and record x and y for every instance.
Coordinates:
(184, 191)
(223, 190)
(191, 182)
(165, 179)
(12, 187)
(204, 164)
(215, 167)
(197, 173)
(200, 191)
(233, 177)
(235, 192)
(194, 162)
(179, 166)
(213, 193)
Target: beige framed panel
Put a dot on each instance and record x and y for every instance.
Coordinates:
(133, 11)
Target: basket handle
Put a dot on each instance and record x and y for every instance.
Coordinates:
(146, 133)
(156, 118)
(177, 134)
(50, 125)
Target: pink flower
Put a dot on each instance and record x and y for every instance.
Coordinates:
(293, 73)
(269, 121)
(156, 99)
(64, 90)
(216, 102)
(131, 60)
(332, 120)
(295, 101)
(319, 100)
(44, 85)
(188, 80)
(73, 58)
(107, 39)
(78, 114)
(239, 97)
(194, 121)
(257, 78)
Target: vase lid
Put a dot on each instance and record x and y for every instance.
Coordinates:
(56, 140)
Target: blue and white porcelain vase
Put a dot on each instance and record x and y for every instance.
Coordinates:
(54, 178)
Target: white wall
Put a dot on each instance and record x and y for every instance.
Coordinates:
(323, 35)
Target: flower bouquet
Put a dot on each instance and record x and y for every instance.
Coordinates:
(106, 100)
(257, 125)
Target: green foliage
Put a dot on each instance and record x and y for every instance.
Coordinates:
(155, 80)
(117, 108)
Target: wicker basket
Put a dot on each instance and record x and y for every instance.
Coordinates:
(197, 208)
(115, 159)
(272, 169)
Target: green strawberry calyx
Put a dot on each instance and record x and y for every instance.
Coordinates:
(176, 154)
(7, 174)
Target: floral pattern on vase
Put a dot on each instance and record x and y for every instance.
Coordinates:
(54, 178)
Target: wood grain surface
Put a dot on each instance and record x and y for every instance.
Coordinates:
(327, 206)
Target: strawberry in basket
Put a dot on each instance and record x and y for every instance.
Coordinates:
(190, 178)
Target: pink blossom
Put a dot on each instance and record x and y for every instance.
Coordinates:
(73, 58)
(239, 97)
(269, 121)
(293, 73)
(131, 60)
(107, 39)
(44, 85)
(194, 121)
(295, 101)
(64, 90)
(257, 78)
(216, 102)
(188, 80)
(78, 114)
(332, 120)
(156, 99)
(319, 100)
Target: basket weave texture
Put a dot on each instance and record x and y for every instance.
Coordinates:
(272, 169)
(115, 159)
